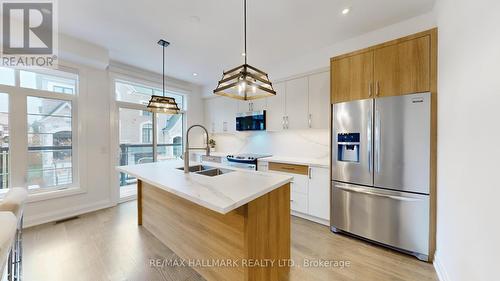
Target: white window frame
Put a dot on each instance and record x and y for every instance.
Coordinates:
(115, 118)
(18, 138)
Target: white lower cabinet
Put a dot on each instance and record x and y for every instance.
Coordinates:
(298, 202)
(300, 184)
(310, 194)
(319, 193)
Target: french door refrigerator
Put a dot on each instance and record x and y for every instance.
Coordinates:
(381, 171)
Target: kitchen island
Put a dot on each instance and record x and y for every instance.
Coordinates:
(226, 224)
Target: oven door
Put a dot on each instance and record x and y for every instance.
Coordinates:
(245, 166)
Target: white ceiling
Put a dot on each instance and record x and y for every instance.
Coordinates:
(206, 35)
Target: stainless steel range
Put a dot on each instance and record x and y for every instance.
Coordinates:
(245, 161)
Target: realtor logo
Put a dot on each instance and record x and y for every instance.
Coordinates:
(28, 33)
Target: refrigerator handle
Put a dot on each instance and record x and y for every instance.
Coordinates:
(377, 141)
(369, 141)
(372, 193)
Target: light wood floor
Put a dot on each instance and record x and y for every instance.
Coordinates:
(108, 245)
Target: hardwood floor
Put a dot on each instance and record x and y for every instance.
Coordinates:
(108, 245)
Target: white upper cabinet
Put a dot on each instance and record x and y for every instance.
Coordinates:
(210, 115)
(299, 104)
(221, 115)
(319, 100)
(275, 113)
(296, 106)
(252, 105)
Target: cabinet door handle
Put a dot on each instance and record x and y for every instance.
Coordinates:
(283, 122)
(310, 173)
(310, 121)
(370, 85)
(377, 90)
(286, 122)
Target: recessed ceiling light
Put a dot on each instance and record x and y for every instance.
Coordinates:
(195, 74)
(346, 11)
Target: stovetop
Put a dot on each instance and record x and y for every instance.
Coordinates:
(248, 156)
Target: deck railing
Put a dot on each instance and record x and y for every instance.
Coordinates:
(143, 153)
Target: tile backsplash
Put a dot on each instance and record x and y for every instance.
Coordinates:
(296, 143)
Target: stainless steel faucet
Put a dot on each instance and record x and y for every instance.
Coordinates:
(186, 152)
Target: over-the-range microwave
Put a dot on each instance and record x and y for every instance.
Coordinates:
(251, 121)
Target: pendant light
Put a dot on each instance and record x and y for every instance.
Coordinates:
(163, 104)
(245, 82)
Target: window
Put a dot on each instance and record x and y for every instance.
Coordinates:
(48, 162)
(49, 142)
(4, 141)
(7, 76)
(170, 132)
(147, 133)
(140, 94)
(53, 81)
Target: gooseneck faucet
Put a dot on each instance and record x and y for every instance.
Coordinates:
(186, 151)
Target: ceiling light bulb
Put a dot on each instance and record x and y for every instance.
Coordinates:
(254, 89)
(195, 74)
(346, 11)
(243, 54)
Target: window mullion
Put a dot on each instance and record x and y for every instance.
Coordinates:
(18, 141)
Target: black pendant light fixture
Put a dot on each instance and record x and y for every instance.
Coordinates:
(163, 104)
(245, 82)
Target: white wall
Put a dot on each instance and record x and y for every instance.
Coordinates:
(468, 231)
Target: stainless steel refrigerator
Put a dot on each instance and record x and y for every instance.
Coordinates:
(381, 171)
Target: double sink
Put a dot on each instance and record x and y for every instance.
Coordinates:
(207, 170)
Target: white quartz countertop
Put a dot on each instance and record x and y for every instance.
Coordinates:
(314, 162)
(222, 193)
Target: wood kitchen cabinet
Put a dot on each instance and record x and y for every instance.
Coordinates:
(352, 77)
(398, 67)
(402, 68)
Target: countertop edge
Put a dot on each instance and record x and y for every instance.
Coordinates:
(205, 204)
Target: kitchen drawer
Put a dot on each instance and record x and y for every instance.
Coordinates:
(298, 202)
(289, 168)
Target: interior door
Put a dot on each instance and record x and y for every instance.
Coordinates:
(402, 142)
(352, 142)
(403, 68)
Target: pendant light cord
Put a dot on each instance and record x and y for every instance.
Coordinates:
(163, 71)
(245, 25)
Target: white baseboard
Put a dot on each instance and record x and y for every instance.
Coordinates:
(440, 270)
(311, 218)
(65, 213)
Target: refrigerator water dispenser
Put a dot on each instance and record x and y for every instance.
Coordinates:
(348, 147)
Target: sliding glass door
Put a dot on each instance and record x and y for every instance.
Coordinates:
(138, 128)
